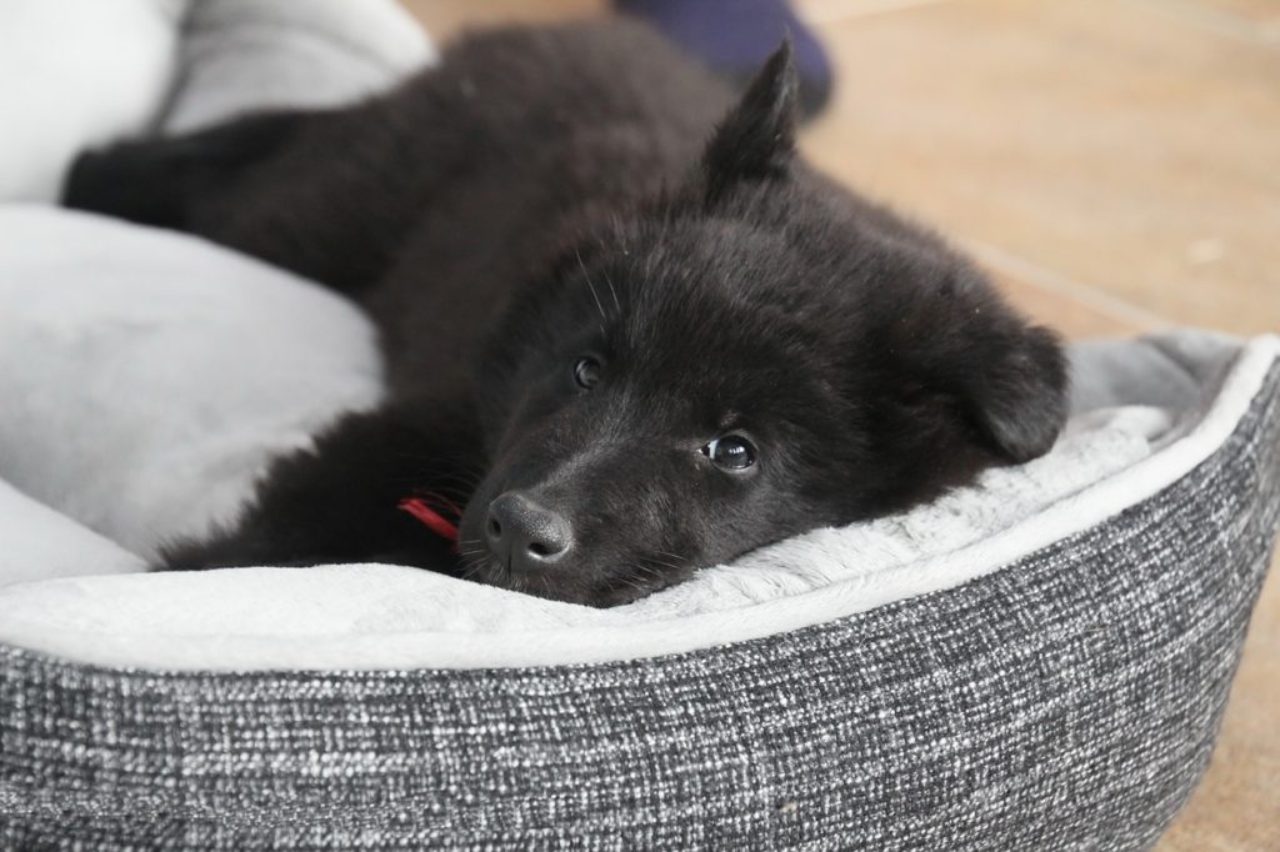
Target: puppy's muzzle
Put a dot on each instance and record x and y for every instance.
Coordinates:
(526, 535)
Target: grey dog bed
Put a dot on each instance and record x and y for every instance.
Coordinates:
(1060, 688)
(1038, 662)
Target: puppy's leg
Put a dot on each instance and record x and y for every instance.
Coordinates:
(340, 501)
(328, 194)
(168, 182)
(272, 185)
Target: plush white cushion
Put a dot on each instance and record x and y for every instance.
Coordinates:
(148, 376)
(75, 73)
(40, 543)
(240, 55)
(79, 73)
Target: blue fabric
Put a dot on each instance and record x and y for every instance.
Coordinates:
(734, 37)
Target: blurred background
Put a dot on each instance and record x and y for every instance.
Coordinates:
(1115, 164)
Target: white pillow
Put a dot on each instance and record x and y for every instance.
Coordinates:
(76, 73)
(148, 376)
(80, 73)
(243, 55)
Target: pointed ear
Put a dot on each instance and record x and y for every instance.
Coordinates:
(756, 140)
(1017, 394)
(1005, 378)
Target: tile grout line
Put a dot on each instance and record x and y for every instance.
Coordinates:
(1054, 282)
(833, 12)
(1216, 21)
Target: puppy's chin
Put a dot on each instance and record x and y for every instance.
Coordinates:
(568, 585)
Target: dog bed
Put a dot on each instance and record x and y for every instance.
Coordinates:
(1038, 661)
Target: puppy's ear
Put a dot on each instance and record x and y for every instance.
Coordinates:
(969, 354)
(756, 140)
(1016, 394)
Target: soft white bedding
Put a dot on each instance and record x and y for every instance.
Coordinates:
(148, 377)
(77, 73)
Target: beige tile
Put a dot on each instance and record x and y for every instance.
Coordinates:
(1262, 12)
(1070, 316)
(1119, 147)
(825, 12)
(1251, 20)
(446, 18)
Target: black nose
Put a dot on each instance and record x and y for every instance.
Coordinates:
(530, 535)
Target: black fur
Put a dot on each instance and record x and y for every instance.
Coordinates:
(552, 193)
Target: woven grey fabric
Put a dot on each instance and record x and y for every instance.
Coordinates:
(1069, 701)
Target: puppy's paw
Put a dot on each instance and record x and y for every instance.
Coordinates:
(133, 181)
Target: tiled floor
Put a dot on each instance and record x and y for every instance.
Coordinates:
(1116, 164)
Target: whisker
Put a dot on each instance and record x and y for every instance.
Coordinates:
(619, 234)
(465, 482)
(592, 288)
(472, 566)
(612, 292)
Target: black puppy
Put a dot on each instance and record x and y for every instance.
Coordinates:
(624, 327)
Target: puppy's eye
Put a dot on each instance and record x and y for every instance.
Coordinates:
(586, 372)
(732, 452)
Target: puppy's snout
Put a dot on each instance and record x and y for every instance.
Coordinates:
(528, 534)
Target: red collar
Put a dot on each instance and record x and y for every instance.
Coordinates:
(427, 509)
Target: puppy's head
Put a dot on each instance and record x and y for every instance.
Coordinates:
(756, 355)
